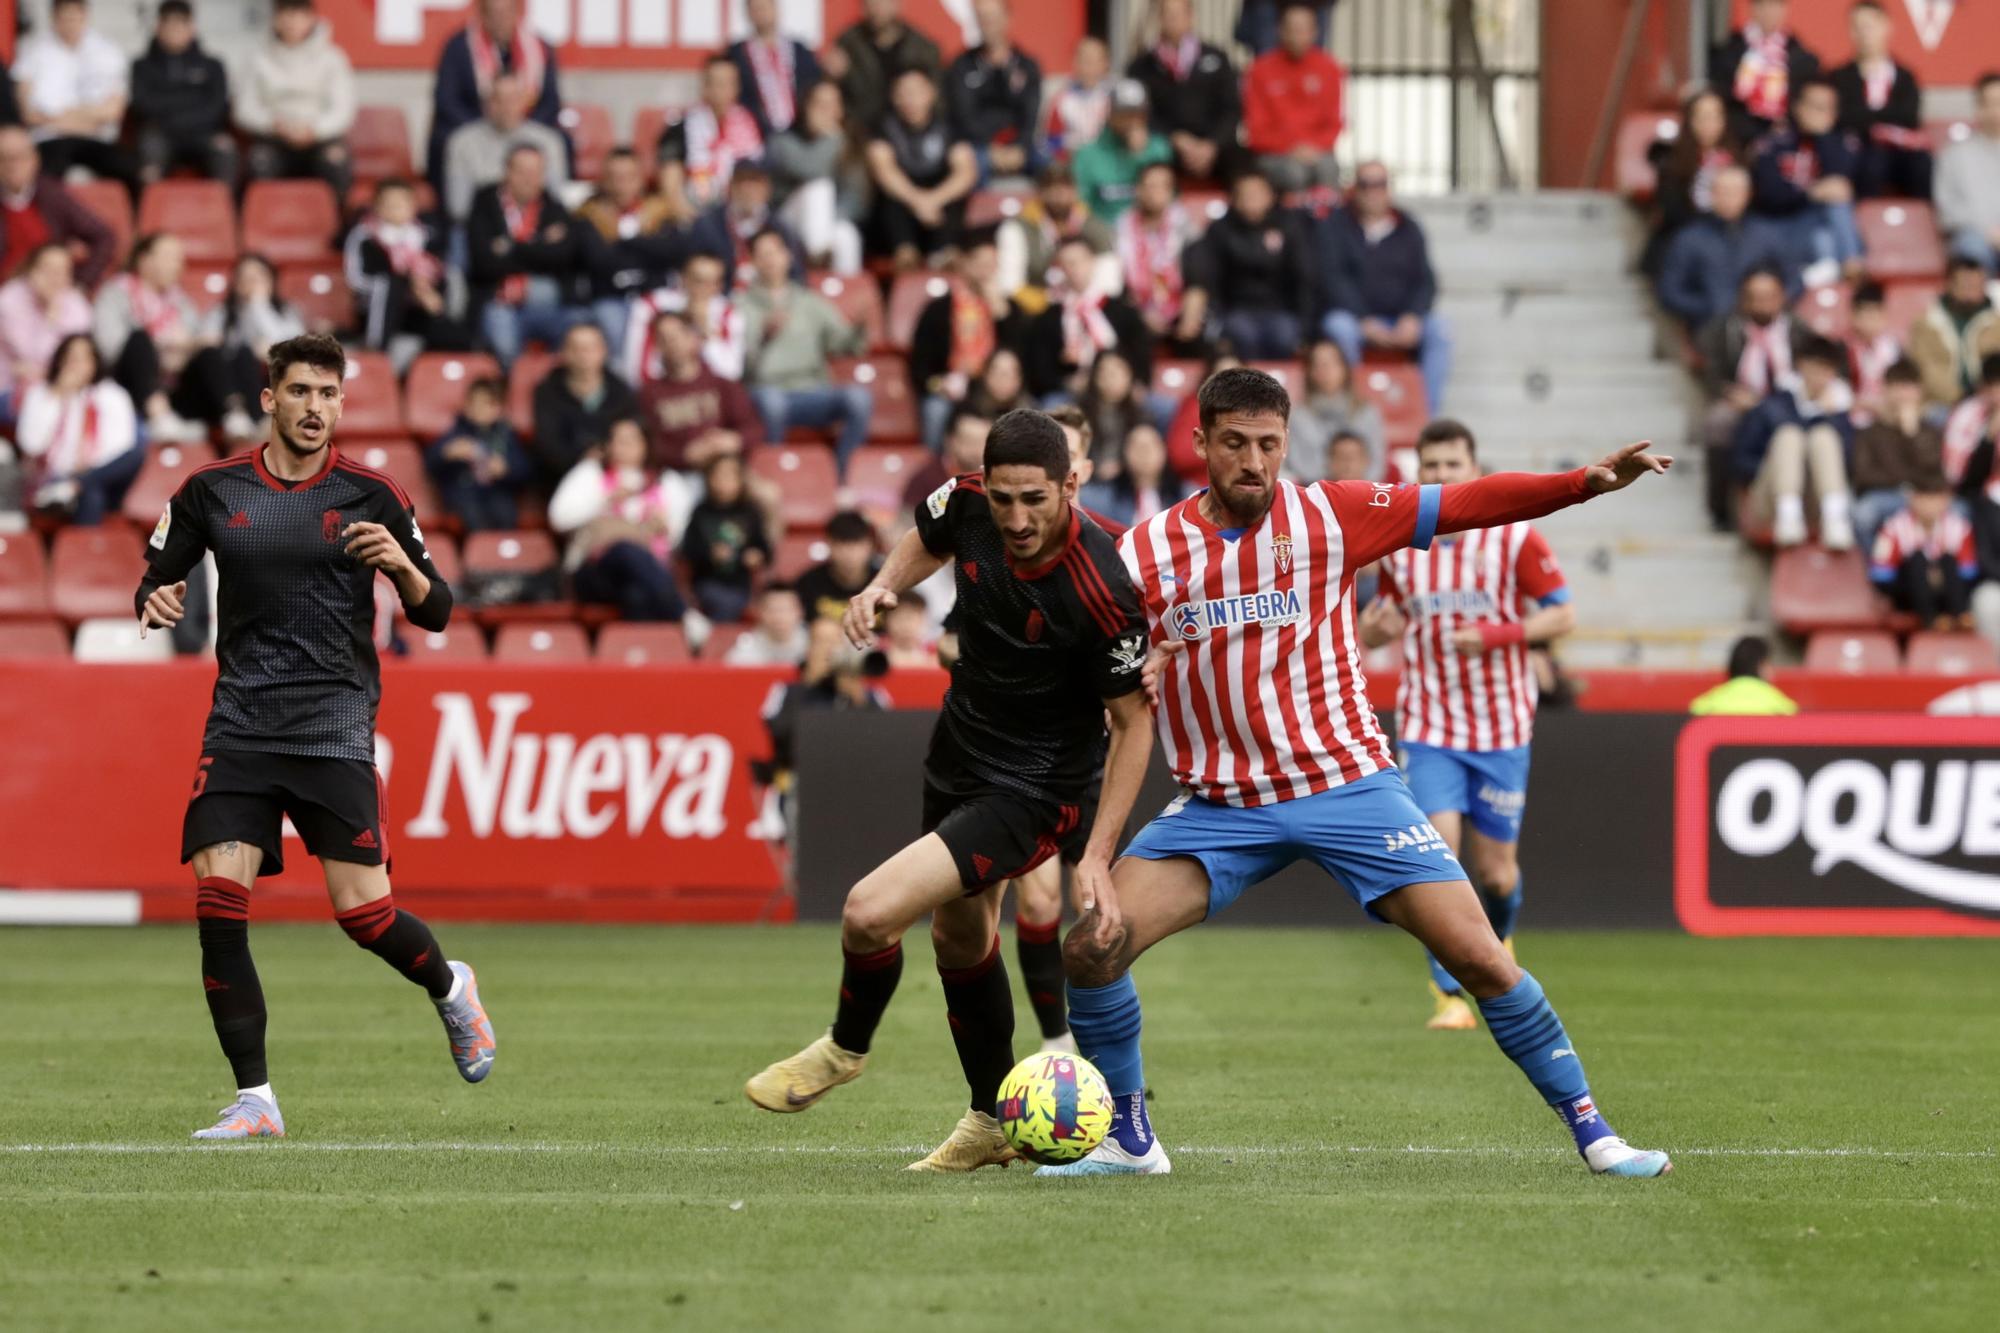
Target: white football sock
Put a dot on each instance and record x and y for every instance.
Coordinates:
(262, 1090)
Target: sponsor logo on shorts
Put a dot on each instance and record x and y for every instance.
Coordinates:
(1504, 802)
(365, 839)
(1416, 838)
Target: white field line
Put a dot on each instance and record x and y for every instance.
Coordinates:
(759, 1150)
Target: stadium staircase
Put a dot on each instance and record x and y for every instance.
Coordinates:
(1556, 362)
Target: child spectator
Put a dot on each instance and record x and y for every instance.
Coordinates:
(821, 182)
(1882, 107)
(1141, 485)
(1804, 179)
(779, 637)
(624, 518)
(1082, 102)
(1114, 404)
(1956, 334)
(1292, 104)
(296, 102)
(395, 263)
(80, 427)
(1871, 349)
(1758, 66)
(1892, 451)
(850, 562)
(1151, 237)
(923, 170)
(906, 633)
(725, 546)
(479, 465)
(715, 134)
(1794, 443)
(39, 307)
(1329, 409)
(180, 102)
(993, 94)
(1924, 557)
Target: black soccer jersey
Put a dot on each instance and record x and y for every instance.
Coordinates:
(296, 671)
(1039, 649)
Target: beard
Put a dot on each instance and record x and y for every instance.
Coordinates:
(305, 447)
(1245, 507)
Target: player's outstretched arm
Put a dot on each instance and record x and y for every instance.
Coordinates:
(1124, 772)
(909, 563)
(1515, 497)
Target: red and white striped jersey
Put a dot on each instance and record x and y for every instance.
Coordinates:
(1269, 703)
(1487, 575)
(1904, 535)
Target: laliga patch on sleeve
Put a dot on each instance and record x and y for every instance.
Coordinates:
(940, 498)
(159, 539)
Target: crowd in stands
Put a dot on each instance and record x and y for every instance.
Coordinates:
(1850, 394)
(720, 362)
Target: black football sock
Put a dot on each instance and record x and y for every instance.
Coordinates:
(1039, 944)
(867, 980)
(229, 977)
(980, 1007)
(401, 940)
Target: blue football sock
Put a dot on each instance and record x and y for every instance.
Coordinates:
(1129, 1124)
(1442, 979)
(1527, 1029)
(1503, 910)
(1105, 1020)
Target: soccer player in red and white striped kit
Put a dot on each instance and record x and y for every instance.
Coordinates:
(1467, 610)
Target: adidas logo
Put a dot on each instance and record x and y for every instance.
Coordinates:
(982, 865)
(210, 983)
(366, 839)
(240, 519)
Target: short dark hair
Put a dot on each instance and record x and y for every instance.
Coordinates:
(1057, 172)
(963, 413)
(491, 385)
(1806, 85)
(1823, 350)
(292, 4)
(1875, 5)
(622, 150)
(1748, 655)
(1348, 437)
(849, 526)
(1989, 369)
(719, 58)
(1027, 438)
(321, 351)
(1242, 390)
(1071, 417)
(977, 238)
(1902, 371)
(1960, 263)
(61, 4)
(388, 183)
(175, 9)
(1869, 293)
(770, 233)
(1770, 271)
(521, 148)
(1165, 166)
(1930, 480)
(775, 585)
(1985, 81)
(1447, 430)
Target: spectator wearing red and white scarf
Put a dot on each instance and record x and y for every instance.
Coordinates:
(1150, 238)
(527, 260)
(495, 41)
(1872, 347)
(80, 429)
(774, 70)
(1758, 66)
(1924, 557)
(1882, 106)
(145, 324)
(394, 263)
(1082, 320)
(713, 136)
(476, 154)
(702, 295)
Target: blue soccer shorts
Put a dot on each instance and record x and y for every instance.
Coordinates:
(1369, 835)
(1488, 787)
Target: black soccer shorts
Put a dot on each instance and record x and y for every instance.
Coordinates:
(244, 796)
(995, 835)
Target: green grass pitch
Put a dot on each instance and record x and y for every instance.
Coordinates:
(1833, 1107)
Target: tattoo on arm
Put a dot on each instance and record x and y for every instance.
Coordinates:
(228, 848)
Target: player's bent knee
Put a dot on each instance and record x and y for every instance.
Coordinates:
(1497, 874)
(1485, 971)
(1092, 959)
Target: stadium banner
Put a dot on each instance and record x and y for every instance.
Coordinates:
(1945, 43)
(671, 34)
(514, 792)
(1856, 825)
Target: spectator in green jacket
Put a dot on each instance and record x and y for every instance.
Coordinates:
(789, 334)
(1107, 169)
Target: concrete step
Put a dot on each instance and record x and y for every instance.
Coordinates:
(1589, 345)
(1695, 648)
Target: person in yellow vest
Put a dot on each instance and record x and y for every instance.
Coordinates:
(1748, 692)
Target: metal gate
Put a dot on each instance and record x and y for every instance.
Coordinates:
(1447, 92)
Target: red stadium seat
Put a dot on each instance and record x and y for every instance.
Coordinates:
(858, 300)
(591, 138)
(1944, 133)
(1825, 309)
(908, 296)
(1901, 237)
(888, 377)
(93, 572)
(1204, 207)
(1853, 652)
(24, 575)
(1176, 377)
(319, 292)
(379, 145)
(113, 204)
(1813, 588)
(206, 283)
(199, 212)
(720, 640)
(649, 124)
(374, 406)
(554, 642)
(444, 554)
(1398, 390)
(1288, 373)
(630, 643)
(989, 208)
(1632, 171)
(1906, 302)
(806, 481)
(33, 638)
(796, 554)
(404, 462)
(454, 643)
(159, 477)
(879, 473)
(1956, 654)
(529, 370)
(509, 553)
(291, 222)
(435, 387)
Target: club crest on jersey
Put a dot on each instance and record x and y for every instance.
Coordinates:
(1192, 620)
(1034, 626)
(329, 525)
(1281, 548)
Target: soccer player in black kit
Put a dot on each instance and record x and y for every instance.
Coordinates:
(299, 534)
(1051, 639)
